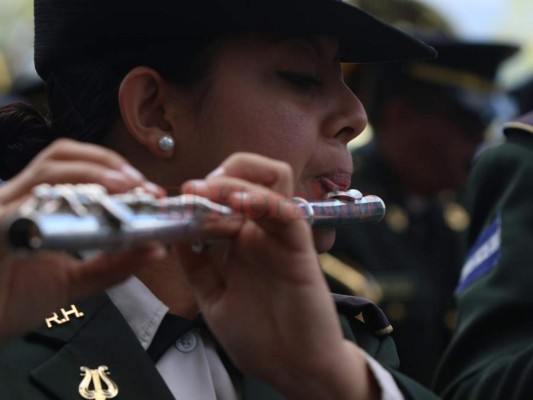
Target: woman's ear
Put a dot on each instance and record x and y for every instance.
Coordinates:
(144, 108)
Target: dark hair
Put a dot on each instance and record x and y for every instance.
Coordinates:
(83, 97)
(23, 133)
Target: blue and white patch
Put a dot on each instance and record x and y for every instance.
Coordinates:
(483, 256)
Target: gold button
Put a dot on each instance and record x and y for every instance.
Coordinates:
(456, 217)
(397, 219)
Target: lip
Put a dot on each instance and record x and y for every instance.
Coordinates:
(335, 181)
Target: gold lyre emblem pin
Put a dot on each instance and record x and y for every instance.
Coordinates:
(66, 316)
(91, 385)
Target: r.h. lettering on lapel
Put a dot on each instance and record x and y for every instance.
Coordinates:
(54, 319)
(91, 385)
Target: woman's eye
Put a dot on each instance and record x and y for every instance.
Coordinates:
(300, 79)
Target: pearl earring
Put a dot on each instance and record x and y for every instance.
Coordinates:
(166, 143)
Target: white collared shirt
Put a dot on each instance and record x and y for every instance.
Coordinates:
(192, 369)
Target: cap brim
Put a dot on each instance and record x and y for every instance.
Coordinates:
(367, 39)
(68, 31)
(481, 58)
(363, 38)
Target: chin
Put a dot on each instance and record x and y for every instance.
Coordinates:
(324, 239)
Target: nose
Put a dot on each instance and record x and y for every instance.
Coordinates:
(348, 117)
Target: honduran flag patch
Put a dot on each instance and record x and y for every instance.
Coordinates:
(483, 256)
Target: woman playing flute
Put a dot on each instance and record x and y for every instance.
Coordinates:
(241, 102)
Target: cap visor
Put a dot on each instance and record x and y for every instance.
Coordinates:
(367, 39)
(363, 38)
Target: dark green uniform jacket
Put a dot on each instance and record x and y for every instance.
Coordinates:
(491, 355)
(46, 363)
(415, 254)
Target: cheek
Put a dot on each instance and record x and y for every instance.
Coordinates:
(252, 120)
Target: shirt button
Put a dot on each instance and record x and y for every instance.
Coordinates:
(187, 342)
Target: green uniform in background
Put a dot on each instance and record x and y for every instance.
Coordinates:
(491, 354)
(415, 255)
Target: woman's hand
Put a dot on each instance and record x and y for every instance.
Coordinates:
(31, 288)
(263, 293)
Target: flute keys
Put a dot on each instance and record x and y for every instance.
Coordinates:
(350, 195)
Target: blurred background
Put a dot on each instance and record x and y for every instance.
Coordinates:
(17, 74)
(505, 20)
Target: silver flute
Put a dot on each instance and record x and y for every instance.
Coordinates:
(85, 217)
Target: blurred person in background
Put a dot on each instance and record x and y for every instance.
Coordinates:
(429, 118)
(523, 95)
(490, 354)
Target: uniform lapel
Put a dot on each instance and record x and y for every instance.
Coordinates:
(101, 337)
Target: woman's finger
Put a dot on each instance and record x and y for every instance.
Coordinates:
(201, 271)
(276, 175)
(57, 172)
(67, 149)
(77, 171)
(245, 198)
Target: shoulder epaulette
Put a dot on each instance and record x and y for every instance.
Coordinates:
(371, 314)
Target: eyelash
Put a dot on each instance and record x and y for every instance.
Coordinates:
(300, 79)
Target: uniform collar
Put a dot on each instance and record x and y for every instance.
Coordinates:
(141, 309)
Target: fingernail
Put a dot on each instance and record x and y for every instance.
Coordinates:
(198, 185)
(217, 172)
(113, 177)
(153, 188)
(132, 173)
